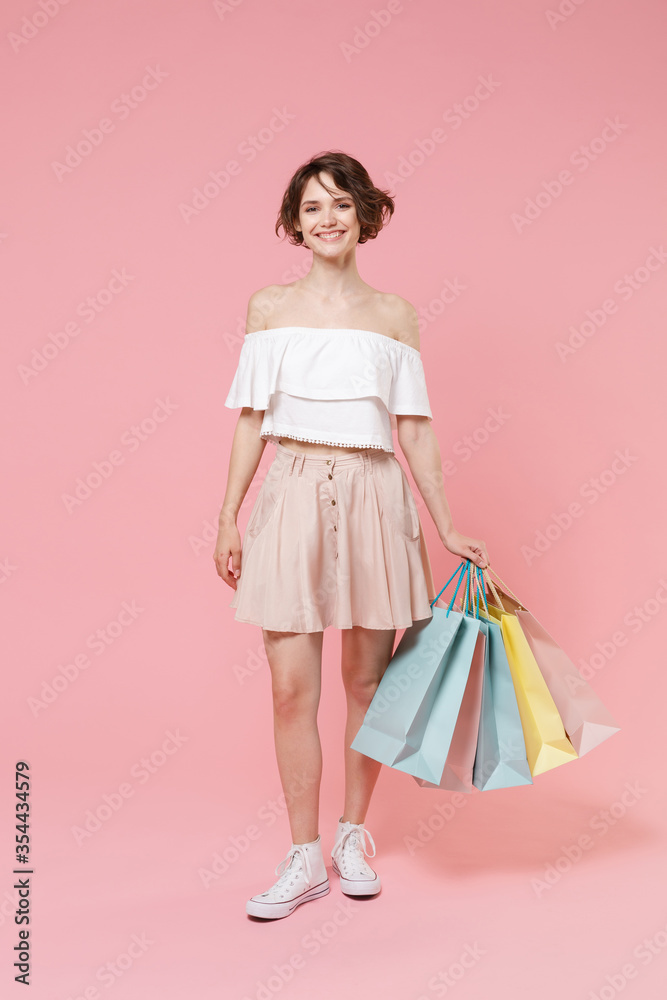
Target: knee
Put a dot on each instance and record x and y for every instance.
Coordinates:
(361, 688)
(293, 701)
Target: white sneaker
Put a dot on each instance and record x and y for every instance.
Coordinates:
(303, 876)
(357, 878)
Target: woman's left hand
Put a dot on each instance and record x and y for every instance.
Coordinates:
(468, 548)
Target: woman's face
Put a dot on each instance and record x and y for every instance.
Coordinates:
(327, 221)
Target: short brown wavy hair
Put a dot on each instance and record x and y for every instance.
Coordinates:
(374, 207)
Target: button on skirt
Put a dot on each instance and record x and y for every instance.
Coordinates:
(334, 540)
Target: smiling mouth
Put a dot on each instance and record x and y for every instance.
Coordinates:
(330, 237)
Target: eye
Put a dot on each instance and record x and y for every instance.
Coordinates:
(341, 204)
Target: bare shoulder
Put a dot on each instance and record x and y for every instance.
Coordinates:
(404, 319)
(260, 307)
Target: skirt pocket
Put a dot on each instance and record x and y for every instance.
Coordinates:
(266, 503)
(397, 501)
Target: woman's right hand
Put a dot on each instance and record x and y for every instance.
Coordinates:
(228, 545)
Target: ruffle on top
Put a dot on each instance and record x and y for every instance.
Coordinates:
(295, 374)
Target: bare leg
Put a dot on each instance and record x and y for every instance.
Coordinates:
(365, 654)
(295, 660)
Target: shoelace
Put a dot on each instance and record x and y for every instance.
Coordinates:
(285, 870)
(357, 841)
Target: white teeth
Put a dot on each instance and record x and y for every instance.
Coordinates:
(329, 236)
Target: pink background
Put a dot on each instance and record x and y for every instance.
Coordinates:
(166, 339)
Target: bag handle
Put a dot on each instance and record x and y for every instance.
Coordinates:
(467, 602)
(462, 571)
(504, 586)
(479, 580)
(465, 572)
(459, 569)
(486, 577)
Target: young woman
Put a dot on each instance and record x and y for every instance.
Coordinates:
(328, 367)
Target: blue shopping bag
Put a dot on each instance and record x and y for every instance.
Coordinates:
(410, 721)
(500, 760)
(458, 772)
(497, 754)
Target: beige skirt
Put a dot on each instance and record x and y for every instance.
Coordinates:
(334, 540)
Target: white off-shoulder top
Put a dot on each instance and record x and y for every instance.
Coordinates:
(339, 387)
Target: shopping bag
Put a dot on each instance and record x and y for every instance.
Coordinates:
(410, 721)
(500, 760)
(487, 750)
(457, 775)
(586, 719)
(547, 743)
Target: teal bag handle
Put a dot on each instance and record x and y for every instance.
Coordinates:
(479, 588)
(479, 584)
(459, 569)
(470, 605)
(467, 603)
(462, 570)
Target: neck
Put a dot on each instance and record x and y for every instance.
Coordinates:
(333, 277)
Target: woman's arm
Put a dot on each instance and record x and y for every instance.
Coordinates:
(422, 452)
(247, 450)
(420, 447)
